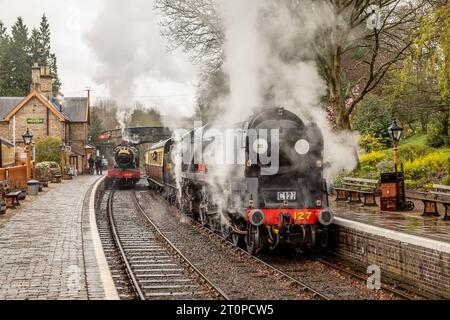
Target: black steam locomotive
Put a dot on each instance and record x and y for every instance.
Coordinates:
(126, 171)
(272, 193)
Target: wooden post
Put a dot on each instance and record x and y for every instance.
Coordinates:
(395, 156)
(29, 162)
(62, 163)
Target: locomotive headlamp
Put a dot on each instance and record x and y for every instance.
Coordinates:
(302, 147)
(260, 146)
(256, 218)
(319, 164)
(326, 217)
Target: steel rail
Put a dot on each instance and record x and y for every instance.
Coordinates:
(219, 293)
(277, 272)
(119, 246)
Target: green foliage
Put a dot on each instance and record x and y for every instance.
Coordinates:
(371, 158)
(433, 47)
(411, 152)
(19, 51)
(145, 118)
(373, 117)
(435, 138)
(48, 150)
(95, 128)
(433, 164)
(369, 142)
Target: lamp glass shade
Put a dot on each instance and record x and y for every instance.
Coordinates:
(27, 137)
(395, 132)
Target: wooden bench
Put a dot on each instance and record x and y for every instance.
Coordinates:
(430, 199)
(352, 189)
(11, 197)
(56, 178)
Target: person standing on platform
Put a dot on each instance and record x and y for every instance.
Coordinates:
(91, 163)
(99, 166)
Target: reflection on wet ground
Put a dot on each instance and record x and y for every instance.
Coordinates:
(408, 222)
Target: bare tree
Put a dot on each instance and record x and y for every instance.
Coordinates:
(366, 49)
(353, 55)
(195, 26)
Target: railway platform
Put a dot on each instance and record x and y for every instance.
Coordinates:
(404, 245)
(48, 249)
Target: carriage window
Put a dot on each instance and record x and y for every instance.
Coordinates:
(155, 156)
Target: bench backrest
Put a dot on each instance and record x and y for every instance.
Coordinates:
(360, 184)
(441, 191)
(360, 180)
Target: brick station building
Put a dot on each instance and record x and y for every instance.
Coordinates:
(48, 116)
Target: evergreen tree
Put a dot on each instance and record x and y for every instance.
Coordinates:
(3, 63)
(54, 69)
(17, 54)
(36, 48)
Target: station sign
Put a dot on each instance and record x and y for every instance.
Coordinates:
(35, 121)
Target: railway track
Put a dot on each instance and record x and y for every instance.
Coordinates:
(155, 267)
(336, 286)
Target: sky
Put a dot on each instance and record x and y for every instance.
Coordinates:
(115, 49)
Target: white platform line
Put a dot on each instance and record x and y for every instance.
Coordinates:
(395, 235)
(105, 273)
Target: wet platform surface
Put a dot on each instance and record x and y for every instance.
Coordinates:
(41, 245)
(412, 222)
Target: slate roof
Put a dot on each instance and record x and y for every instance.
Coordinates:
(7, 104)
(73, 109)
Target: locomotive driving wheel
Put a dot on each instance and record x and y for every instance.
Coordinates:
(253, 239)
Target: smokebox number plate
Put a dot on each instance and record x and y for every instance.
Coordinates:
(287, 196)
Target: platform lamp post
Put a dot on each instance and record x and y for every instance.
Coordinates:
(395, 133)
(63, 152)
(27, 137)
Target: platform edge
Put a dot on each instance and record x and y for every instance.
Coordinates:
(109, 287)
(395, 235)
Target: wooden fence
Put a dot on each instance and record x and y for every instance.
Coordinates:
(16, 176)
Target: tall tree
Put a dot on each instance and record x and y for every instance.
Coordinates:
(18, 53)
(344, 44)
(40, 47)
(4, 41)
(95, 128)
(431, 57)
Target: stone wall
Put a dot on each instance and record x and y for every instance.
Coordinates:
(420, 266)
(78, 132)
(34, 109)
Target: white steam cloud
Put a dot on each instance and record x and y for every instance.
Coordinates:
(135, 64)
(270, 60)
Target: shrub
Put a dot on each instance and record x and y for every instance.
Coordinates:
(371, 158)
(435, 137)
(446, 181)
(373, 116)
(369, 142)
(427, 166)
(48, 149)
(411, 152)
(385, 166)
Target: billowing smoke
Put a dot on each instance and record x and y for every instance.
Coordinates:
(243, 48)
(270, 59)
(134, 63)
